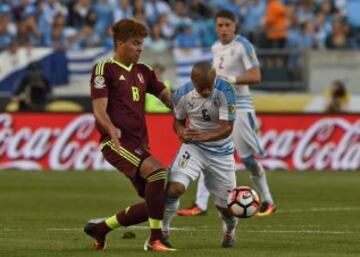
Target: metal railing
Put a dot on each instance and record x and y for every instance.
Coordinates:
(283, 69)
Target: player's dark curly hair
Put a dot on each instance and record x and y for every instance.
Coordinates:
(128, 28)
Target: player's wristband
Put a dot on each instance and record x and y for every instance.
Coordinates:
(232, 79)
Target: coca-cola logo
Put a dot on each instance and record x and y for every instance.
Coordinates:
(329, 143)
(317, 143)
(69, 147)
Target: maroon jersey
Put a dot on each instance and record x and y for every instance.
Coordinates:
(125, 88)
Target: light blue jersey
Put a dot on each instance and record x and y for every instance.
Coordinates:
(205, 113)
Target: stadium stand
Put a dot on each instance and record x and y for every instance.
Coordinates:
(77, 33)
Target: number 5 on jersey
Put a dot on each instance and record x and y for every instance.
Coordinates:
(135, 93)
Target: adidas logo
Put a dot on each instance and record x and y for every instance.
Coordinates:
(122, 77)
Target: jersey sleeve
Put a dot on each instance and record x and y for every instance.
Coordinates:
(100, 81)
(155, 85)
(227, 109)
(249, 57)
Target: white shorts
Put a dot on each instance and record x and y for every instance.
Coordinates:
(219, 174)
(244, 134)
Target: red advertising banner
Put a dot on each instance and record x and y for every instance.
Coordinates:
(70, 141)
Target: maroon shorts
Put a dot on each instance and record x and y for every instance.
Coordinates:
(127, 161)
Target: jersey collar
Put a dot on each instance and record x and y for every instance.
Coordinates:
(127, 68)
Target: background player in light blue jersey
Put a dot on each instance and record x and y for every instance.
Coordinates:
(208, 103)
(235, 59)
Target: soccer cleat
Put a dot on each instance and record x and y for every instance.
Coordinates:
(228, 240)
(160, 245)
(266, 209)
(90, 229)
(192, 211)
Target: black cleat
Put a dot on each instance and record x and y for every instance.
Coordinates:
(90, 229)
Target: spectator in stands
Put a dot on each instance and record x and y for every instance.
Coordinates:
(179, 15)
(56, 38)
(33, 90)
(78, 11)
(108, 40)
(139, 12)
(104, 14)
(353, 15)
(338, 38)
(309, 40)
(154, 8)
(155, 42)
(33, 20)
(52, 8)
(88, 36)
(337, 98)
(232, 6)
(275, 24)
(306, 11)
(123, 11)
(323, 29)
(22, 9)
(7, 30)
(252, 20)
(186, 37)
(28, 34)
(167, 29)
(199, 10)
(207, 33)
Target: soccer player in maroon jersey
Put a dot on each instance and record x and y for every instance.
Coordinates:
(118, 87)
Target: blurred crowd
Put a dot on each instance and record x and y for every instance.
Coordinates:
(78, 24)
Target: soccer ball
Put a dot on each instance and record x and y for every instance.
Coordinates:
(243, 202)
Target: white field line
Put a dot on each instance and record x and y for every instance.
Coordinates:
(207, 229)
(325, 209)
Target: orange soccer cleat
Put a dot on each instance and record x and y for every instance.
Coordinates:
(160, 245)
(266, 209)
(192, 211)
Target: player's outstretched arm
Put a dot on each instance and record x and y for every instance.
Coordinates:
(223, 131)
(251, 76)
(99, 109)
(165, 97)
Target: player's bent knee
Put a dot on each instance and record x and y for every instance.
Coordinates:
(149, 166)
(175, 189)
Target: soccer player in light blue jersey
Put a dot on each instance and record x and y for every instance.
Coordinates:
(235, 59)
(208, 103)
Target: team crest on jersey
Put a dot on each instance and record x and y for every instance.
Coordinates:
(99, 82)
(253, 57)
(232, 109)
(140, 77)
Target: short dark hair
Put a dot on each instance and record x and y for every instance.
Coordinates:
(202, 71)
(128, 28)
(225, 14)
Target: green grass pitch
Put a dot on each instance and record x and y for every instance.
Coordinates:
(42, 215)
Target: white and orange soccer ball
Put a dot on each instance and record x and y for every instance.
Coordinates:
(243, 202)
